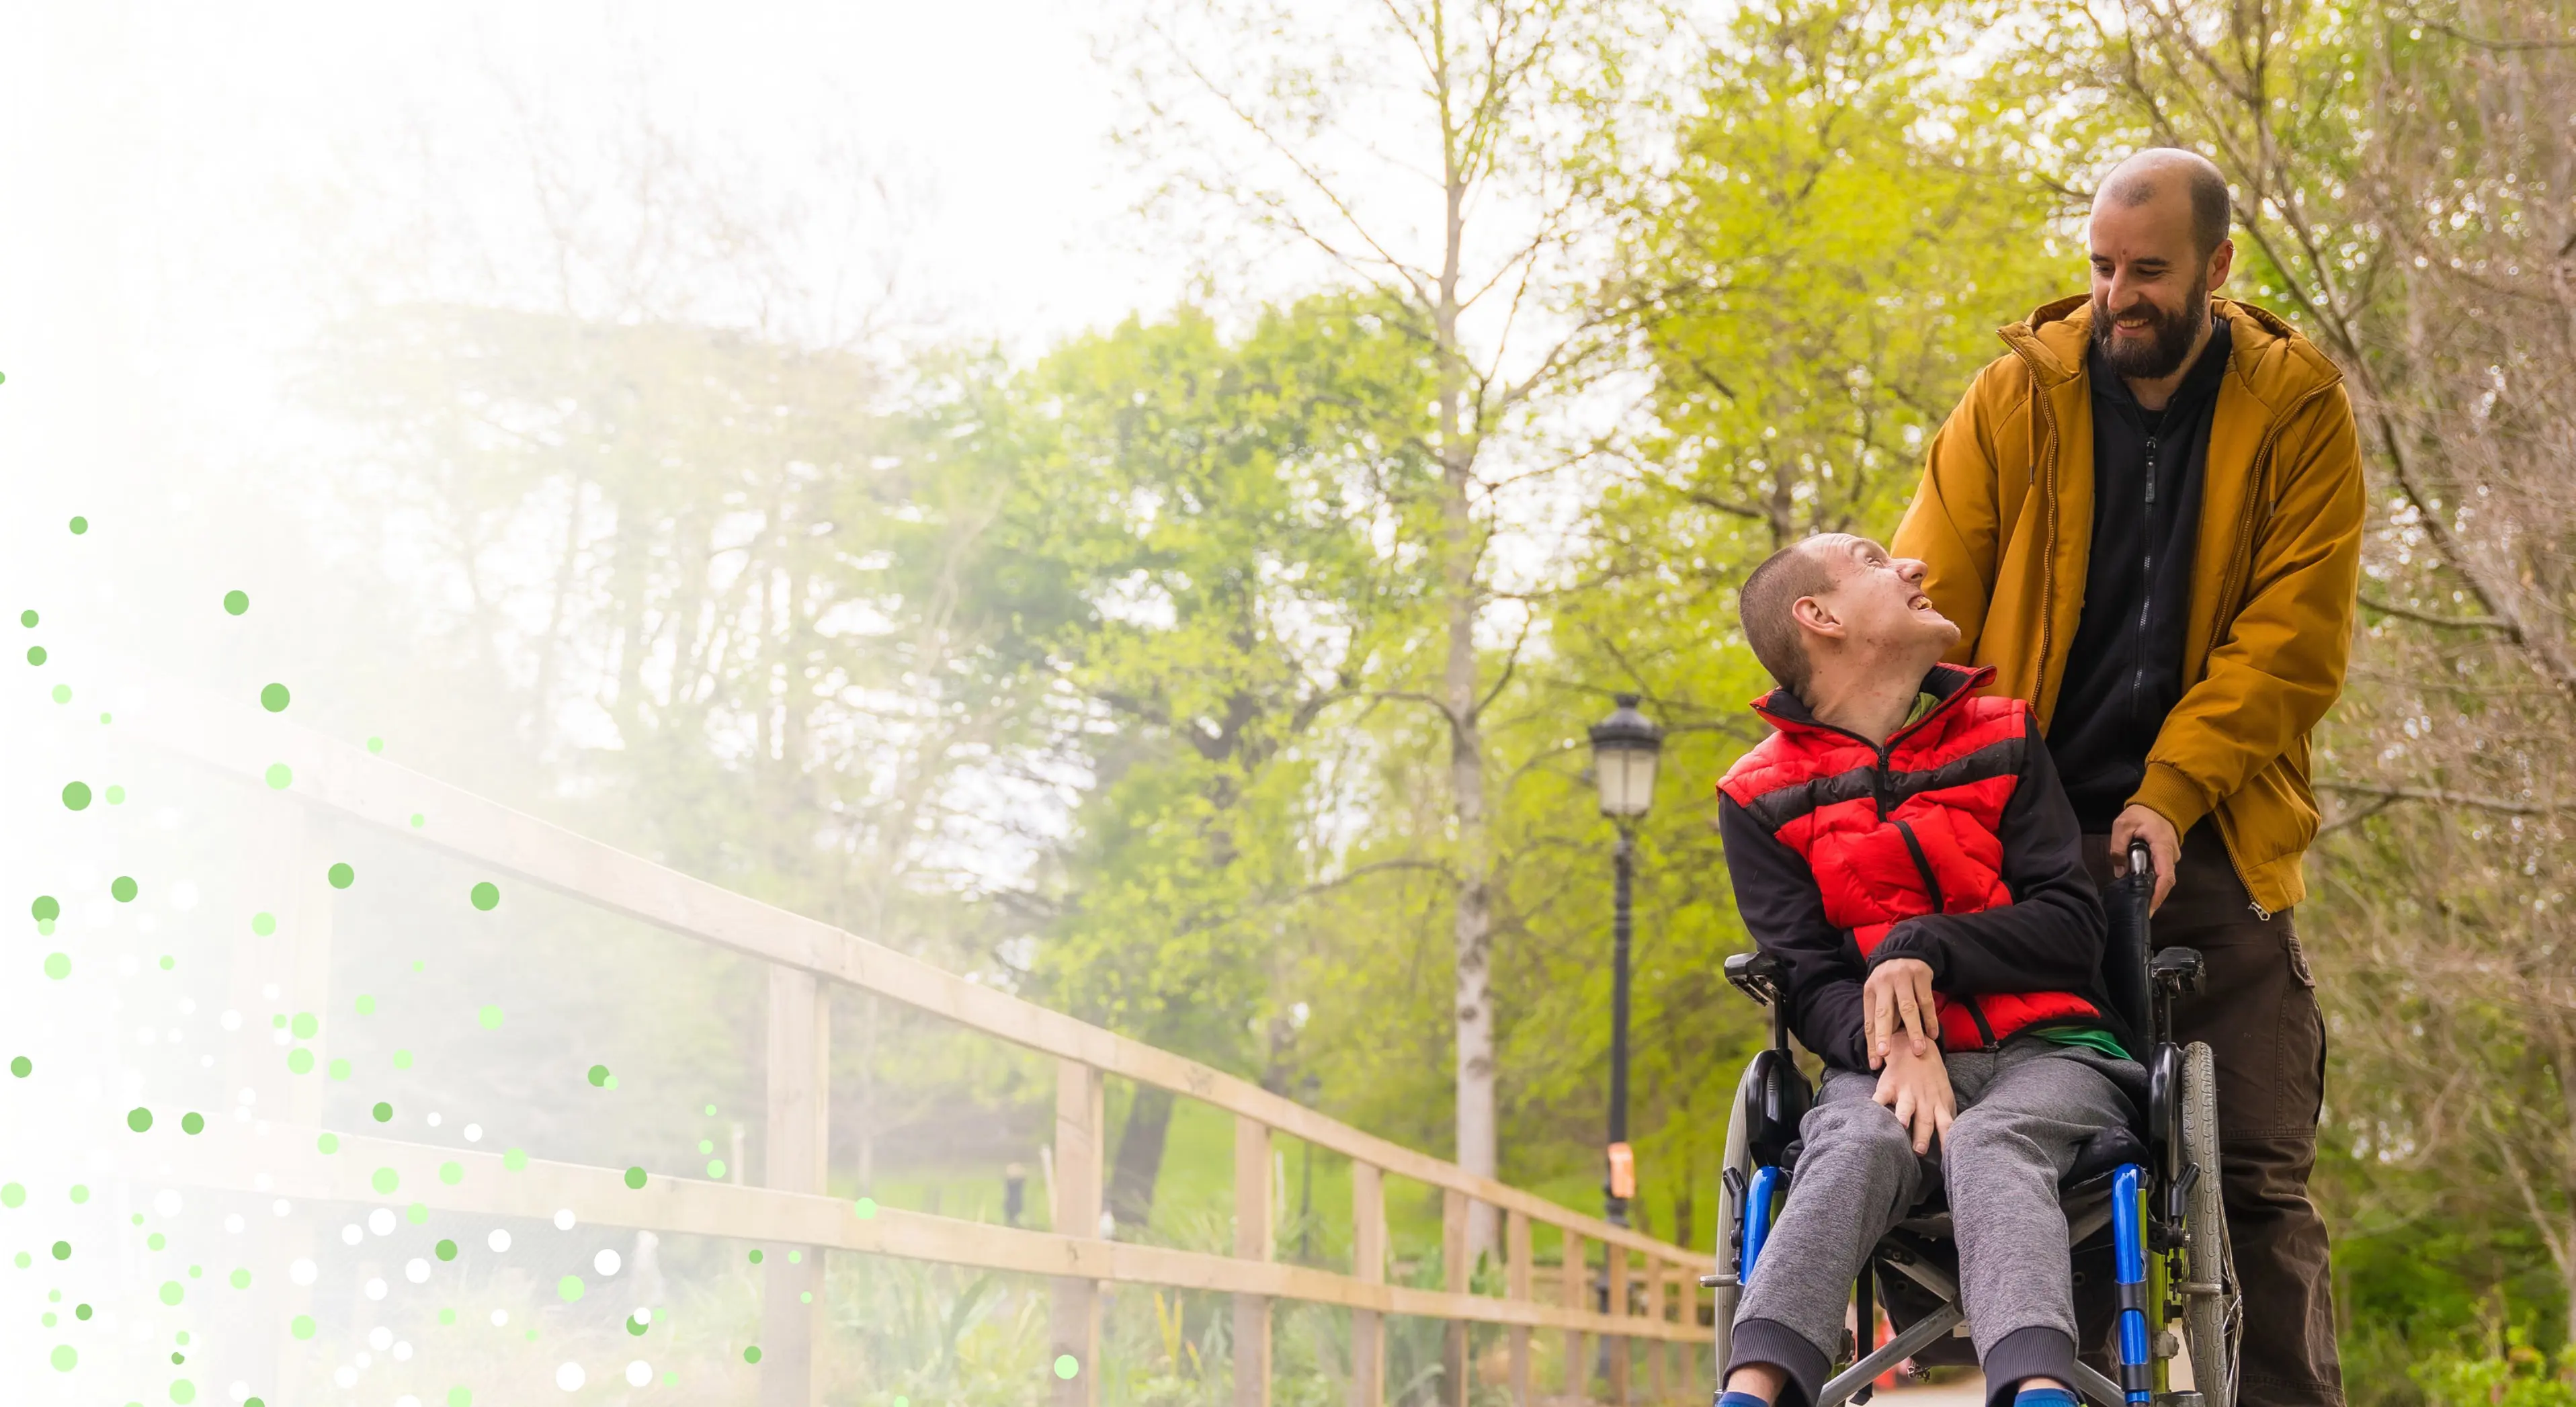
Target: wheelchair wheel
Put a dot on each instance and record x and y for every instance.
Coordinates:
(2213, 1305)
(1734, 1171)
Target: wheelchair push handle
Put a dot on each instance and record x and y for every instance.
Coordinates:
(2142, 860)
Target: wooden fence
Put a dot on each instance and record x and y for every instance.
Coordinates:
(1653, 1302)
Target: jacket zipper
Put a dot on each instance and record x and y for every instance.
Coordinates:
(2238, 554)
(1940, 904)
(2146, 587)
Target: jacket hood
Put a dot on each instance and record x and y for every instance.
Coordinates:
(2267, 356)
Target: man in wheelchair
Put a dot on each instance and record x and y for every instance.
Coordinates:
(1910, 871)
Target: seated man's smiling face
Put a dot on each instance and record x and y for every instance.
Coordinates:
(1880, 598)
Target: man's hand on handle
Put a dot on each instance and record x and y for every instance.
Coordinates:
(2150, 826)
(1899, 993)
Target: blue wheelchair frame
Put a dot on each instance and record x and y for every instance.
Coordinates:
(2156, 1195)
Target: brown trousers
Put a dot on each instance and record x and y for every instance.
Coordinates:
(2257, 1009)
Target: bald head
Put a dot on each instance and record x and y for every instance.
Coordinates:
(2162, 174)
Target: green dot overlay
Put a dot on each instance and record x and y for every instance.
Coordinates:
(1066, 1367)
(76, 796)
(57, 966)
(139, 1120)
(236, 602)
(635, 1178)
(486, 895)
(341, 876)
(280, 776)
(570, 1288)
(124, 889)
(273, 698)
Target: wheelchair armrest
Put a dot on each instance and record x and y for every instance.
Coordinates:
(1756, 975)
(2177, 971)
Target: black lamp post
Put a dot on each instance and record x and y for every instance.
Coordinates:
(1624, 749)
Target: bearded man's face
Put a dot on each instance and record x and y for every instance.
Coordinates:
(2145, 338)
(2151, 283)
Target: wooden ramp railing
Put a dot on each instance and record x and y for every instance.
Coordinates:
(1652, 1300)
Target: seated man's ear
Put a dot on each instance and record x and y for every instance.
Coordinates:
(1814, 615)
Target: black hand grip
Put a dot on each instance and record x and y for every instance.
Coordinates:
(2124, 956)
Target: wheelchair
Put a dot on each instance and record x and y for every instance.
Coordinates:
(2141, 1203)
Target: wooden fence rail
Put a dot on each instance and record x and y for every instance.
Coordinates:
(1647, 1288)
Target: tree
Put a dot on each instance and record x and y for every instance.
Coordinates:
(2400, 173)
(1416, 151)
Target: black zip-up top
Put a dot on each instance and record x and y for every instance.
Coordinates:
(2124, 668)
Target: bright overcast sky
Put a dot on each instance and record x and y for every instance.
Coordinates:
(161, 164)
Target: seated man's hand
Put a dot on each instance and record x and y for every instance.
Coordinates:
(1899, 993)
(1917, 1088)
(2147, 824)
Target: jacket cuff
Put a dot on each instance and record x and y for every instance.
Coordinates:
(2170, 794)
(1909, 939)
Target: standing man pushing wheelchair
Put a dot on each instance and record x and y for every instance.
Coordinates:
(2146, 519)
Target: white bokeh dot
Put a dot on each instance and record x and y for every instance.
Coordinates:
(380, 1338)
(605, 1262)
(500, 1318)
(351, 1234)
(569, 1377)
(499, 1240)
(564, 1219)
(402, 1350)
(302, 1272)
(346, 1376)
(239, 1391)
(375, 1289)
(282, 1207)
(473, 1133)
(434, 1120)
(166, 1203)
(381, 1221)
(406, 1400)
(639, 1373)
(231, 1020)
(233, 1224)
(416, 1271)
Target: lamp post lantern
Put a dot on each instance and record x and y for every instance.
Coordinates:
(1624, 749)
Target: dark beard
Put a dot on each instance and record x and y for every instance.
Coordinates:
(2173, 335)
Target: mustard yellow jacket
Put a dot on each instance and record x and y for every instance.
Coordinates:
(2004, 518)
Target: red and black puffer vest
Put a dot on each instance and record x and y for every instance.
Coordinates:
(1908, 828)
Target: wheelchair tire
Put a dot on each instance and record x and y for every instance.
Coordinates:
(1737, 1159)
(2213, 1316)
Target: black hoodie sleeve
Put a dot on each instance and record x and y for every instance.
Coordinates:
(1776, 896)
(2050, 937)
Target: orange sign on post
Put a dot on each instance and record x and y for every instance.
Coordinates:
(1623, 1171)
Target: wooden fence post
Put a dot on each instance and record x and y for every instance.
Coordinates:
(1081, 1099)
(1368, 1265)
(1658, 1351)
(1253, 1224)
(792, 1308)
(1614, 1274)
(1454, 1277)
(1516, 1285)
(1569, 1294)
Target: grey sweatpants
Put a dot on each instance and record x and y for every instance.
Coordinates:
(2023, 1112)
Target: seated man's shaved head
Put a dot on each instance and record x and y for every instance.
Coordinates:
(1846, 597)
(2164, 171)
(1764, 608)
